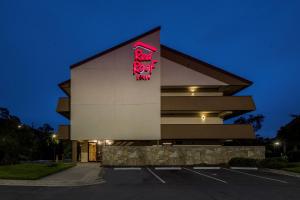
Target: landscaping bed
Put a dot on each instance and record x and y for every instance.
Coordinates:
(31, 171)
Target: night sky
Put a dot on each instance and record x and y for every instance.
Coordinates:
(258, 40)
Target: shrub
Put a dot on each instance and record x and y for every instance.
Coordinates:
(209, 165)
(274, 163)
(243, 162)
(294, 156)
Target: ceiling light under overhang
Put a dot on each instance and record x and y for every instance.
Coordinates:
(193, 89)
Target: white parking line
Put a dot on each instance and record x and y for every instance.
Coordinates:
(245, 168)
(167, 168)
(206, 167)
(262, 177)
(127, 168)
(207, 176)
(155, 175)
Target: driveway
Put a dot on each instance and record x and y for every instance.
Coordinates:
(176, 184)
(81, 174)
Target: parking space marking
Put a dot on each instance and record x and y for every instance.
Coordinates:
(262, 177)
(206, 167)
(207, 176)
(167, 168)
(244, 168)
(127, 168)
(155, 175)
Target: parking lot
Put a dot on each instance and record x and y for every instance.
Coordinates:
(190, 183)
(170, 183)
(194, 176)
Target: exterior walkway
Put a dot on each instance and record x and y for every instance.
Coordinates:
(81, 174)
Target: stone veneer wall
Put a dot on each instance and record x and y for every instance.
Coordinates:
(176, 155)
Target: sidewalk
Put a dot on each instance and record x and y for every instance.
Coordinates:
(80, 175)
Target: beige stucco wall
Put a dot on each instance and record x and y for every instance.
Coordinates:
(191, 120)
(177, 155)
(107, 101)
(174, 74)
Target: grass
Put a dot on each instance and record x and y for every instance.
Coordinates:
(294, 168)
(31, 171)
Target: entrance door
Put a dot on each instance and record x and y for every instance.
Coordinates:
(92, 152)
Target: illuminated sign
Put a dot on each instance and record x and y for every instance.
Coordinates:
(143, 63)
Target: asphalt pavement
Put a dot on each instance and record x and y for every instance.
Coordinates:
(180, 183)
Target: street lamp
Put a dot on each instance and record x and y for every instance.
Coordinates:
(277, 143)
(54, 146)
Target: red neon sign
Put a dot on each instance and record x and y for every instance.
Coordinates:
(143, 63)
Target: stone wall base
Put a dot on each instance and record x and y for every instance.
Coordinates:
(176, 155)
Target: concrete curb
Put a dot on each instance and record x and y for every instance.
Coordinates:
(281, 172)
(38, 183)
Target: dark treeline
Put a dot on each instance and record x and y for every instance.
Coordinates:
(21, 142)
(285, 144)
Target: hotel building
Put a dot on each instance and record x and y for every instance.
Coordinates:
(143, 103)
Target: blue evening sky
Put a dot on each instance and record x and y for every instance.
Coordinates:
(258, 40)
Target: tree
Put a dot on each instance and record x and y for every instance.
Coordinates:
(22, 142)
(295, 116)
(4, 113)
(289, 134)
(46, 128)
(44, 144)
(254, 120)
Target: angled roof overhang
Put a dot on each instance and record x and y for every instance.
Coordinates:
(235, 83)
(115, 47)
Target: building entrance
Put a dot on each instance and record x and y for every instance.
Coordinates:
(92, 152)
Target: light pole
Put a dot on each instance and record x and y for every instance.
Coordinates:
(54, 145)
(277, 145)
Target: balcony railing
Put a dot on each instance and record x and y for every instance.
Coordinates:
(66, 87)
(63, 132)
(63, 106)
(207, 131)
(207, 103)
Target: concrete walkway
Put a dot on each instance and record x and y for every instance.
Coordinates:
(81, 174)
